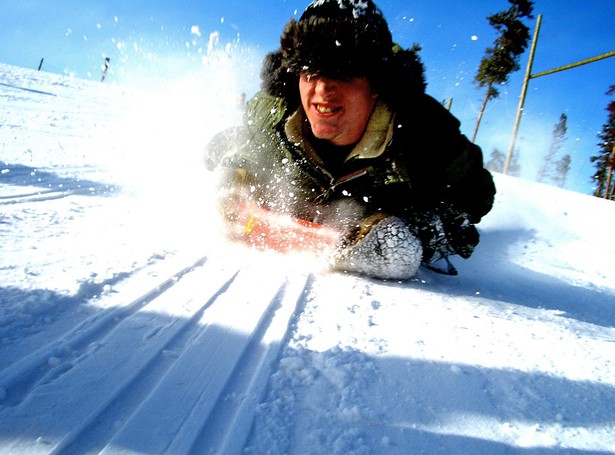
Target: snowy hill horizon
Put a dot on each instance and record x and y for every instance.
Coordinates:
(128, 325)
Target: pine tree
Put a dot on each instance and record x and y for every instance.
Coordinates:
(496, 162)
(503, 58)
(562, 167)
(605, 159)
(549, 168)
(514, 169)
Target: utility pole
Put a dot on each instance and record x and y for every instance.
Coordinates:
(526, 81)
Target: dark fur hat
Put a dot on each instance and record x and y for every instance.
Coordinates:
(342, 39)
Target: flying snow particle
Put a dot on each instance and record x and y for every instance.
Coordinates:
(474, 38)
(214, 39)
(196, 30)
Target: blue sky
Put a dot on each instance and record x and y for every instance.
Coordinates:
(74, 36)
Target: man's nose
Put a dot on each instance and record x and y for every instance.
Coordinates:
(326, 84)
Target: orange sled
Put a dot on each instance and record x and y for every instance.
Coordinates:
(265, 229)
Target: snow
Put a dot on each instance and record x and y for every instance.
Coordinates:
(128, 326)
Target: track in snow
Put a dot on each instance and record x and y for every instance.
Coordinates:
(22, 184)
(44, 195)
(194, 346)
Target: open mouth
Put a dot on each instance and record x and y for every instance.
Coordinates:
(327, 109)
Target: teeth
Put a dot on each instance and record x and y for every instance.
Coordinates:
(325, 110)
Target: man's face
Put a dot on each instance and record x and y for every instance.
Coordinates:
(338, 110)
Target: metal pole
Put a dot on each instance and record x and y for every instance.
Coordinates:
(574, 65)
(526, 80)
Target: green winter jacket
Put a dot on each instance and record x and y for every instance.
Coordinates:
(416, 165)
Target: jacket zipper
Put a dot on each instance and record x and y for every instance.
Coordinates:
(344, 179)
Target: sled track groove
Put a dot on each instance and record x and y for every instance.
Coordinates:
(178, 370)
(21, 376)
(45, 195)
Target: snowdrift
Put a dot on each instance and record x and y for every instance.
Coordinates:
(128, 326)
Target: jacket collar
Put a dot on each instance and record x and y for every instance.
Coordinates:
(373, 143)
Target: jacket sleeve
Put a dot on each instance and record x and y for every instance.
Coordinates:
(243, 157)
(221, 146)
(459, 177)
(455, 181)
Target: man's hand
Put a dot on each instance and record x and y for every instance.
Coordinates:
(234, 193)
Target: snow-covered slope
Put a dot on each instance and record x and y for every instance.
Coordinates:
(128, 326)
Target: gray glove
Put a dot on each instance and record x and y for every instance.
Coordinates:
(389, 251)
